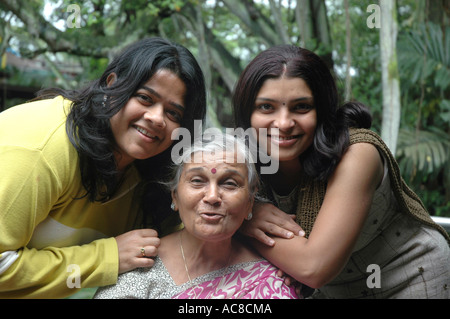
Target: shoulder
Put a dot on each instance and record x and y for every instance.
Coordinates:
(361, 163)
(365, 136)
(33, 135)
(133, 284)
(32, 125)
(361, 154)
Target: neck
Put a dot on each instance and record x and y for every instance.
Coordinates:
(289, 167)
(287, 177)
(122, 161)
(202, 257)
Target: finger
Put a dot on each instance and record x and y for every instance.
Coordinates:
(149, 251)
(280, 273)
(151, 241)
(145, 262)
(278, 231)
(147, 232)
(138, 262)
(287, 281)
(285, 221)
(263, 238)
(291, 226)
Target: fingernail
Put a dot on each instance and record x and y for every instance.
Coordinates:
(301, 233)
(289, 234)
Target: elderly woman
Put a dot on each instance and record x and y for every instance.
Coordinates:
(213, 189)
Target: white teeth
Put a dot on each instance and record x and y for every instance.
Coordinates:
(140, 129)
(278, 138)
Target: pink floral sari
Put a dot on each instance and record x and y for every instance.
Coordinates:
(256, 280)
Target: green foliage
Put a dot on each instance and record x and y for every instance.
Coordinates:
(365, 56)
(434, 201)
(423, 153)
(226, 34)
(424, 56)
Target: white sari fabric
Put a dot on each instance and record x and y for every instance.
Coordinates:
(249, 280)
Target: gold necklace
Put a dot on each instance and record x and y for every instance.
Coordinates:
(186, 267)
(184, 259)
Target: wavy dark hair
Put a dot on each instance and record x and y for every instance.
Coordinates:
(331, 136)
(88, 121)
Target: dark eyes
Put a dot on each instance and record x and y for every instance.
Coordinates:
(172, 112)
(226, 183)
(196, 181)
(230, 183)
(174, 116)
(264, 107)
(144, 98)
(304, 107)
(299, 108)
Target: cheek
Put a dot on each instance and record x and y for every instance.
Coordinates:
(309, 123)
(187, 202)
(258, 121)
(170, 128)
(115, 125)
(241, 206)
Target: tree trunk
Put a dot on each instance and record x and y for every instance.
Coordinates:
(390, 75)
(279, 25)
(348, 47)
(251, 17)
(312, 21)
(304, 22)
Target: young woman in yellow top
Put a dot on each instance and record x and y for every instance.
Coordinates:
(70, 167)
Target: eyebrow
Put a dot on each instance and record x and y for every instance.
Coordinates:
(151, 91)
(202, 168)
(300, 99)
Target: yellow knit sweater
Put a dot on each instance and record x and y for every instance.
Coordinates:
(47, 236)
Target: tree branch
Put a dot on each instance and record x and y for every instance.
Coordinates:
(39, 28)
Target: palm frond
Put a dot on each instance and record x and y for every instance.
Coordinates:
(426, 52)
(422, 152)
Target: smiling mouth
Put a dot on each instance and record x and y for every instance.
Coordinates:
(284, 138)
(145, 132)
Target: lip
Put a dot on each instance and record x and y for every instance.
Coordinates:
(146, 133)
(211, 216)
(284, 140)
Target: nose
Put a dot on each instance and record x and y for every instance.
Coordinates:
(212, 195)
(284, 120)
(155, 114)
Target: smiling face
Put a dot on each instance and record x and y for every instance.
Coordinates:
(213, 197)
(143, 127)
(286, 104)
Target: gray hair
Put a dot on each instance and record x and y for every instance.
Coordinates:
(217, 142)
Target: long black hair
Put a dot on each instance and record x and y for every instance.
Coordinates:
(88, 121)
(331, 136)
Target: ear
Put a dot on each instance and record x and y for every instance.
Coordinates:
(174, 200)
(250, 207)
(112, 77)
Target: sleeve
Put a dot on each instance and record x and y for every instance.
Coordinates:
(29, 188)
(59, 272)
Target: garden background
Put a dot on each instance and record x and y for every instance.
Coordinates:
(394, 56)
